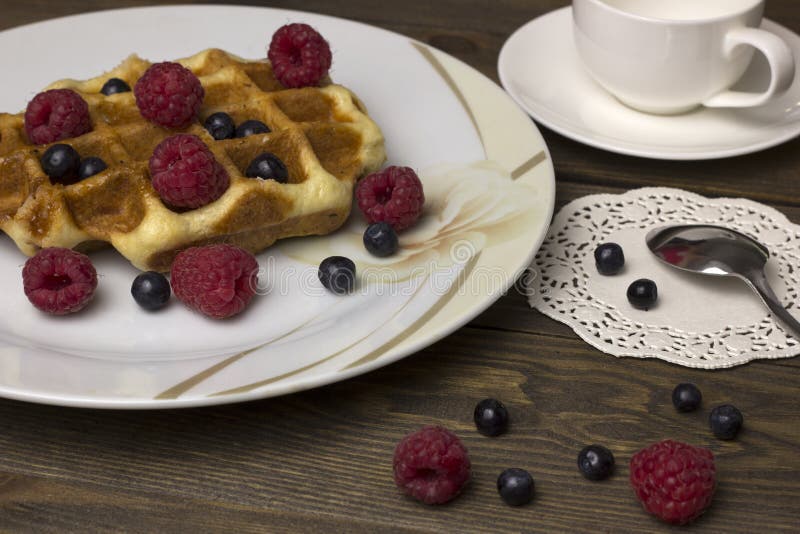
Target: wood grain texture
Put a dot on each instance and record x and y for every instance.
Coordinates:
(321, 460)
(328, 451)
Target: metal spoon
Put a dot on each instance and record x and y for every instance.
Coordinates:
(719, 251)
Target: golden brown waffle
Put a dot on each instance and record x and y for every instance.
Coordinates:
(322, 134)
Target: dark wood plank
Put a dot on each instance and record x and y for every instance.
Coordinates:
(770, 176)
(39, 505)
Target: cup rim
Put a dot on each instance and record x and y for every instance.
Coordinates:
(682, 22)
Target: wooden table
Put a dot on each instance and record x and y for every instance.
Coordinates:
(321, 460)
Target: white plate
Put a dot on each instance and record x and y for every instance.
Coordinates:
(490, 191)
(541, 70)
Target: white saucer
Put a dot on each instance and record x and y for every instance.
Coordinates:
(541, 70)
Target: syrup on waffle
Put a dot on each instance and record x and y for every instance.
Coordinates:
(322, 134)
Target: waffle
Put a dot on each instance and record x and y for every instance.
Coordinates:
(322, 134)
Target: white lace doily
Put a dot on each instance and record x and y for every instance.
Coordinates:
(699, 321)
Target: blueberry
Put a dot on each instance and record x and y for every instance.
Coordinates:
(251, 127)
(491, 417)
(114, 86)
(726, 421)
(220, 125)
(686, 397)
(338, 274)
(267, 166)
(380, 239)
(61, 163)
(515, 486)
(609, 258)
(595, 462)
(642, 294)
(151, 290)
(91, 166)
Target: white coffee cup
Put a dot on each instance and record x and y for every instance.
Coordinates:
(669, 56)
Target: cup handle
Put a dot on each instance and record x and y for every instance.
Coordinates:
(781, 65)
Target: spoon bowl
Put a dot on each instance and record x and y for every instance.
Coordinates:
(719, 251)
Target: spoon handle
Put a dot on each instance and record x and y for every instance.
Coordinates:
(759, 282)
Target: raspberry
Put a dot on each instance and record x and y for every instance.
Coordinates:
(393, 195)
(185, 173)
(431, 465)
(216, 280)
(299, 55)
(55, 115)
(59, 280)
(673, 480)
(169, 95)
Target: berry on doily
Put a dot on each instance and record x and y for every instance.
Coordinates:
(169, 95)
(55, 115)
(674, 481)
(185, 173)
(393, 195)
(431, 465)
(609, 258)
(216, 280)
(299, 55)
(59, 280)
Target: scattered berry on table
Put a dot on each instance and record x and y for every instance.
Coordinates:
(431, 465)
(59, 280)
(686, 397)
(91, 166)
(114, 86)
(674, 481)
(251, 127)
(338, 274)
(61, 163)
(643, 294)
(515, 486)
(151, 290)
(393, 195)
(299, 55)
(169, 95)
(185, 172)
(268, 166)
(609, 258)
(596, 462)
(380, 239)
(216, 280)
(220, 125)
(725, 421)
(55, 115)
(491, 417)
